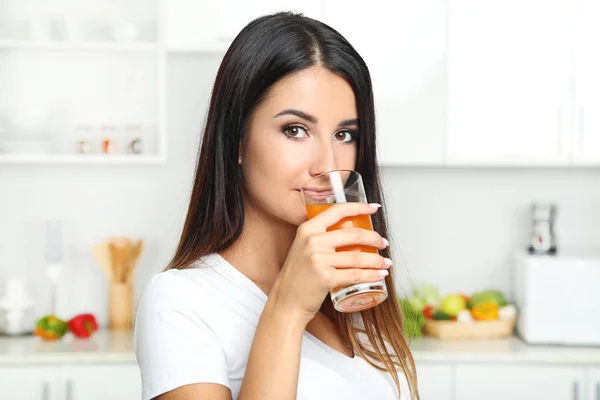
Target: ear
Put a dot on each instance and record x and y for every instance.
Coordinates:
(240, 155)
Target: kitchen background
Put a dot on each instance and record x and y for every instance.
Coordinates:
(484, 108)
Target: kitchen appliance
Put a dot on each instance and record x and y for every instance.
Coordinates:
(558, 297)
(53, 257)
(16, 307)
(543, 238)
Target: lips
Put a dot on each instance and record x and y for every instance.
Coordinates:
(316, 192)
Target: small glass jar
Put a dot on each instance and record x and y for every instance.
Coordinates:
(108, 139)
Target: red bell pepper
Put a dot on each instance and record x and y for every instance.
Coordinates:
(83, 325)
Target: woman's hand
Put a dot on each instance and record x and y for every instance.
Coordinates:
(313, 267)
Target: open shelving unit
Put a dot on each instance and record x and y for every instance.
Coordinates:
(73, 45)
(50, 86)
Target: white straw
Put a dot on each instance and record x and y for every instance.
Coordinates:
(338, 187)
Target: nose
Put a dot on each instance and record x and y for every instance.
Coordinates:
(324, 159)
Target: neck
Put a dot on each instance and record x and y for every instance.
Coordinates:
(261, 249)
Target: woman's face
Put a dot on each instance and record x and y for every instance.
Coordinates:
(306, 126)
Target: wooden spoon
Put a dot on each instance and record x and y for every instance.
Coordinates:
(102, 257)
(118, 261)
(133, 256)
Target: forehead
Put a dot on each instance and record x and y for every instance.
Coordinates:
(314, 90)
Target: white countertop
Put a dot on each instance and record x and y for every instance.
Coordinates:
(117, 347)
(504, 350)
(103, 347)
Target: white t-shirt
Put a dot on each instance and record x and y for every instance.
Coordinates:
(197, 325)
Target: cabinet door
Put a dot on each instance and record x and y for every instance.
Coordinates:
(403, 43)
(593, 384)
(191, 25)
(518, 382)
(235, 14)
(28, 383)
(99, 382)
(436, 381)
(508, 81)
(587, 78)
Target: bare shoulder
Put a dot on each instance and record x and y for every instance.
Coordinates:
(197, 391)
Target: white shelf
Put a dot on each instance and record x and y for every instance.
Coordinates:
(79, 45)
(82, 159)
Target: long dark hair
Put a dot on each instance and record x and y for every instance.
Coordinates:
(266, 50)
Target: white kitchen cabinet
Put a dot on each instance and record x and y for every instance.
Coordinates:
(518, 382)
(71, 382)
(592, 385)
(509, 64)
(235, 14)
(29, 383)
(208, 26)
(409, 75)
(99, 382)
(191, 25)
(587, 80)
(404, 45)
(436, 381)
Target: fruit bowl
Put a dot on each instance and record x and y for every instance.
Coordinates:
(470, 330)
(484, 314)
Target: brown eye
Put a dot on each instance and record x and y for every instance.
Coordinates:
(343, 136)
(295, 132)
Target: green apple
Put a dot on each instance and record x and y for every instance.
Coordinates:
(417, 302)
(453, 304)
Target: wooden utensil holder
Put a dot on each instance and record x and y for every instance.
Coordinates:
(120, 311)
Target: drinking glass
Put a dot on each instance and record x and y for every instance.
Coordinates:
(341, 186)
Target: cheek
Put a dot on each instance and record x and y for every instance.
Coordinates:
(346, 156)
(276, 157)
(271, 168)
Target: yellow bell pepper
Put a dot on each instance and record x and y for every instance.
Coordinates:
(485, 311)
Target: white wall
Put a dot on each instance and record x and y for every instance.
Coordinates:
(454, 227)
(459, 227)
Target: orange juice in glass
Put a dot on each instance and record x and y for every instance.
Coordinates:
(320, 193)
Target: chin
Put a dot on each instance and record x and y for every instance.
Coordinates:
(300, 219)
(296, 218)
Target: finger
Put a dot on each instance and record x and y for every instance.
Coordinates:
(346, 277)
(354, 259)
(346, 237)
(336, 212)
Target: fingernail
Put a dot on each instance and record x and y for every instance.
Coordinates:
(383, 272)
(386, 243)
(375, 205)
(387, 261)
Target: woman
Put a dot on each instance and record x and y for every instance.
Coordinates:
(243, 311)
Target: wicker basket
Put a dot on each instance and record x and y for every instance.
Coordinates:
(470, 330)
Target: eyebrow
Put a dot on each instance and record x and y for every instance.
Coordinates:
(312, 119)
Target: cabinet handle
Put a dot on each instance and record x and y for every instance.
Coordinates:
(597, 391)
(69, 390)
(575, 390)
(581, 126)
(559, 128)
(46, 391)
